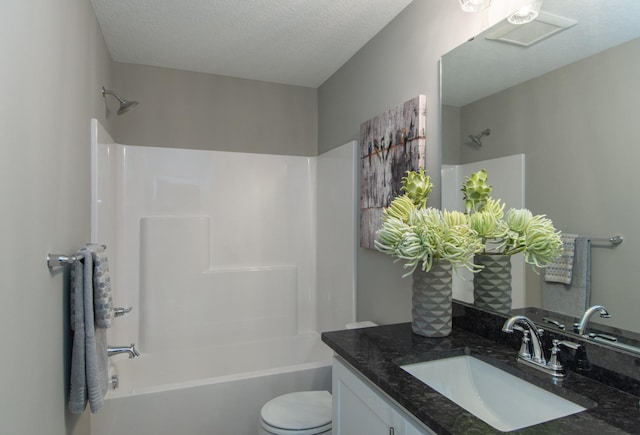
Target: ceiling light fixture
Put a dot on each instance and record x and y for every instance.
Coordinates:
(527, 13)
(474, 5)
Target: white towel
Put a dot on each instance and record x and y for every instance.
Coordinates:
(89, 373)
(561, 270)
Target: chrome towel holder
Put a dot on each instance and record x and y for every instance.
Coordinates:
(614, 240)
(60, 260)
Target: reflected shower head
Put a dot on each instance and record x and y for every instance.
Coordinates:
(477, 138)
(125, 105)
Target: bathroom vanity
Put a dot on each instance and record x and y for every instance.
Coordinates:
(374, 394)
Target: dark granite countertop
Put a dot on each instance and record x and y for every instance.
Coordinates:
(378, 352)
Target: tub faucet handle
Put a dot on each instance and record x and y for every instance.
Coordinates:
(114, 382)
(121, 311)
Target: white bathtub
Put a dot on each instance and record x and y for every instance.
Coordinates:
(215, 391)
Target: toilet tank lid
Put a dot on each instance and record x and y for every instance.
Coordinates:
(298, 411)
(364, 324)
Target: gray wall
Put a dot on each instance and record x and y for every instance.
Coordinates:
(578, 128)
(399, 63)
(54, 62)
(184, 109)
(450, 135)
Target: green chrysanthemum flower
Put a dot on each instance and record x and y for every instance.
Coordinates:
(417, 186)
(400, 208)
(476, 191)
(518, 219)
(426, 235)
(542, 242)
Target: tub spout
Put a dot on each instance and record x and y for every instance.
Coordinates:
(115, 350)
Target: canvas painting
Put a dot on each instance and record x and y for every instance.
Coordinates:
(390, 144)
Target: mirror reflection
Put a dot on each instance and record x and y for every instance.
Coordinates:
(566, 97)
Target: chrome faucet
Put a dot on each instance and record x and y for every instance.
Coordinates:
(581, 327)
(115, 350)
(537, 356)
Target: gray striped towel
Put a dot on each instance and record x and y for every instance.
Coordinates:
(561, 270)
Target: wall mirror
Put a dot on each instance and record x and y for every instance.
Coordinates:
(570, 102)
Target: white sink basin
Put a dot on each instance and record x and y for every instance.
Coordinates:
(500, 399)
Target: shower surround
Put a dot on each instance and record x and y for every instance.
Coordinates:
(233, 263)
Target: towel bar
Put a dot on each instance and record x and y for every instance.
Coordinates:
(59, 260)
(614, 240)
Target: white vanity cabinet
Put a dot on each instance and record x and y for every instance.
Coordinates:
(359, 408)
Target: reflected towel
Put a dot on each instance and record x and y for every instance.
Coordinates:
(89, 373)
(574, 298)
(561, 270)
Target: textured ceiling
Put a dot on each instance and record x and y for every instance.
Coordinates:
(295, 42)
(482, 67)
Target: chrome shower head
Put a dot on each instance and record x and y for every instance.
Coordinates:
(125, 105)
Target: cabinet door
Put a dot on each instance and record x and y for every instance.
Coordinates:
(355, 416)
(358, 409)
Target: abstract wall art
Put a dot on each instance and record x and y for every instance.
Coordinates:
(390, 144)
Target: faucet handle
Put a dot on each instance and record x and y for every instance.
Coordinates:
(554, 364)
(525, 347)
(121, 311)
(553, 322)
(569, 344)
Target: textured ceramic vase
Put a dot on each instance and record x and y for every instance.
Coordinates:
(431, 300)
(492, 285)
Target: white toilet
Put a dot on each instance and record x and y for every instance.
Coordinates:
(358, 325)
(303, 412)
(300, 413)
